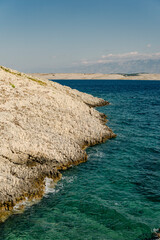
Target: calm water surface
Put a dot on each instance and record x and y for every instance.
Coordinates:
(116, 194)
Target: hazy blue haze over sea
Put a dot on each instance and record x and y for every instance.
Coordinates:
(116, 194)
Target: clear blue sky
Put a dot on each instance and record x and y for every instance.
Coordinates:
(51, 35)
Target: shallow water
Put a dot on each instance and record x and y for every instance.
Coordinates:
(116, 194)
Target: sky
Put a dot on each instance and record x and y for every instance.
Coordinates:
(70, 35)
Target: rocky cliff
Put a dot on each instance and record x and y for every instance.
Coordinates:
(44, 127)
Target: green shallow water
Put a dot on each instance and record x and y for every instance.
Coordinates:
(116, 194)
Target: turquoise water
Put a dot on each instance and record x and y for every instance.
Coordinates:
(116, 194)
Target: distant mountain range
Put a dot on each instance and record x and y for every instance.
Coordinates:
(130, 66)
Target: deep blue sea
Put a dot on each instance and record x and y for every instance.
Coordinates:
(115, 195)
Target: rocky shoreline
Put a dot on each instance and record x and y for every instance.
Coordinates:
(45, 128)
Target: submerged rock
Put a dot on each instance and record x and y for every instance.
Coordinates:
(44, 127)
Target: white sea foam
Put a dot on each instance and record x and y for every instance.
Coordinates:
(97, 154)
(21, 206)
(156, 230)
(49, 186)
(69, 179)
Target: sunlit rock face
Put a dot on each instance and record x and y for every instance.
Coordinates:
(44, 127)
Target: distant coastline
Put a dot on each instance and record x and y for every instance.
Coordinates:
(83, 76)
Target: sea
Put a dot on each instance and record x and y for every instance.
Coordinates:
(115, 195)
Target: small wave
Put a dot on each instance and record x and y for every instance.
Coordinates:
(52, 187)
(26, 203)
(49, 185)
(68, 179)
(156, 233)
(98, 154)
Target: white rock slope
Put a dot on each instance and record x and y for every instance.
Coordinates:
(44, 127)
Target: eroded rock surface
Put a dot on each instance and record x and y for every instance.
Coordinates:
(44, 127)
